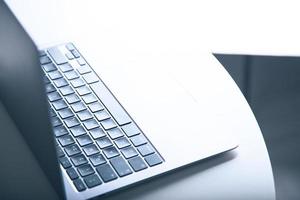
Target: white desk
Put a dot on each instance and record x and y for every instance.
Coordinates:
(130, 29)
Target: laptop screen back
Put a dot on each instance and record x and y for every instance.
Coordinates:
(22, 93)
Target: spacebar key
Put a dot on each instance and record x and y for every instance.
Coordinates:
(110, 103)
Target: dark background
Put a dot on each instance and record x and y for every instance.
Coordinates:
(271, 86)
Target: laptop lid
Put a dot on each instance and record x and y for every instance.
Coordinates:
(22, 93)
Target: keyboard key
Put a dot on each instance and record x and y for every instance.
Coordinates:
(59, 152)
(102, 115)
(45, 60)
(71, 75)
(84, 140)
(83, 90)
(90, 149)
(90, 124)
(121, 166)
(49, 88)
(55, 121)
(42, 53)
(66, 90)
(60, 131)
(57, 56)
(145, 149)
(65, 67)
(79, 160)
(131, 129)
(72, 150)
(53, 96)
(106, 172)
(72, 173)
(75, 53)
(110, 152)
(77, 82)
(114, 133)
(84, 69)
(52, 112)
(129, 152)
(138, 140)
(153, 159)
(89, 98)
(70, 56)
(122, 142)
(96, 106)
(137, 163)
(70, 46)
(64, 161)
(97, 159)
(60, 104)
(60, 82)
(79, 106)
(97, 133)
(71, 122)
(65, 113)
(90, 78)
(84, 115)
(77, 131)
(81, 61)
(54, 75)
(85, 170)
(66, 140)
(110, 103)
(79, 185)
(46, 79)
(92, 180)
(72, 98)
(49, 67)
(108, 124)
(104, 142)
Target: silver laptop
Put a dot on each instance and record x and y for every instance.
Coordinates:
(87, 141)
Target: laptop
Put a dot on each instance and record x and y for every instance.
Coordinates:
(88, 141)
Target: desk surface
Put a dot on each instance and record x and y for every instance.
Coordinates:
(127, 28)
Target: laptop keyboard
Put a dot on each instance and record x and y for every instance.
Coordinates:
(96, 140)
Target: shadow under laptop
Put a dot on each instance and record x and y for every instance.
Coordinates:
(166, 181)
